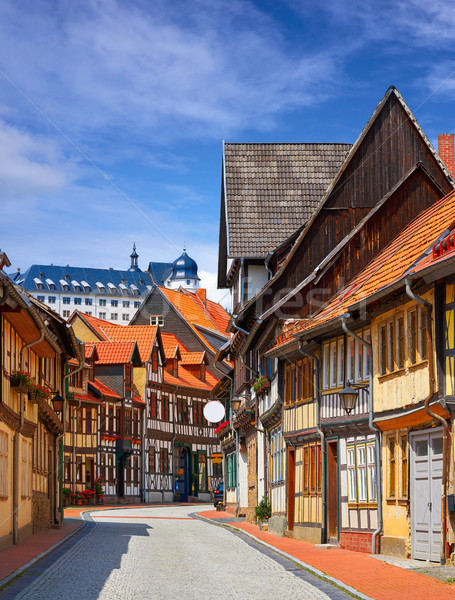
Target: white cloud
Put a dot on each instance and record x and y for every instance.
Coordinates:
(174, 69)
(30, 165)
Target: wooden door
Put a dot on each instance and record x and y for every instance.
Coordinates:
(291, 488)
(332, 491)
(426, 479)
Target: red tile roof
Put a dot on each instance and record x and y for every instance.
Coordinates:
(170, 341)
(87, 398)
(114, 353)
(186, 379)
(193, 358)
(195, 314)
(104, 389)
(144, 335)
(138, 399)
(408, 253)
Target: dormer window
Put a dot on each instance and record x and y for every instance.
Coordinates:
(64, 285)
(100, 286)
(157, 320)
(50, 284)
(39, 284)
(85, 285)
(134, 289)
(76, 285)
(123, 288)
(112, 288)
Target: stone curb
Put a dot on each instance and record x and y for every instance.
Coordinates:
(38, 557)
(310, 568)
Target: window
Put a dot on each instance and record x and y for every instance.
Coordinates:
(88, 302)
(155, 360)
(67, 468)
(78, 301)
(338, 356)
(79, 420)
(79, 469)
(304, 383)
(114, 303)
(51, 299)
(422, 334)
(110, 468)
(126, 303)
(88, 312)
(397, 466)
(152, 460)
(3, 464)
(402, 341)
(188, 282)
(165, 408)
(88, 420)
(164, 460)
(311, 468)
(153, 406)
(66, 313)
(399, 324)
(114, 316)
(231, 471)
(361, 468)
(135, 423)
(157, 320)
(137, 304)
(102, 302)
(128, 422)
(125, 317)
(182, 410)
(66, 300)
(41, 298)
(102, 315)
(111, 420)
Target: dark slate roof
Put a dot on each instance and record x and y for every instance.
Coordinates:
(141, 279)
(272, 189)
(159, 272)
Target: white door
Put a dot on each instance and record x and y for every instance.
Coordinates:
(426, 481)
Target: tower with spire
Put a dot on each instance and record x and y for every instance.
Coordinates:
(134, 256)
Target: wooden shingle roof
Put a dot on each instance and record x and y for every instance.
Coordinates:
(270, 190)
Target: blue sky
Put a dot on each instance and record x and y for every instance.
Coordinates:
(112, 114)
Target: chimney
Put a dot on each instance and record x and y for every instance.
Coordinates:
(202, 294)
(446, 151)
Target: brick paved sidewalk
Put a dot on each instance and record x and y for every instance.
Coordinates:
(375, 578)
(15, 557)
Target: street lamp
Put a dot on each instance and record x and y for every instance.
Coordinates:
(57, 402)
(235, 403)
(348, 397)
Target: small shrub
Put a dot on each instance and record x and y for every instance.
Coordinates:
(263, 510)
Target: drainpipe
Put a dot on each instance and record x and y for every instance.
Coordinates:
(16, 443)
(266, 263)
(373, 428)
(59, 443)
(323, 444)
(441, 420)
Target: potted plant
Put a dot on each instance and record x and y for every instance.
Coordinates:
(76, 498)
(263, 512)
(67, 496)
(19, 381)
(262, 383)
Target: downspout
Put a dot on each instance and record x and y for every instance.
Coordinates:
(17, 434)
(266, 264)
(430, 413)
(323, 443)
(373, 428)
(59, 441)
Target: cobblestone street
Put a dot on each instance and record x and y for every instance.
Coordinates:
(164, 553)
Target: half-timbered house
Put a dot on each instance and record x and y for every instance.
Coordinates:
(359, 215)
(35, 347)
(80, 447)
